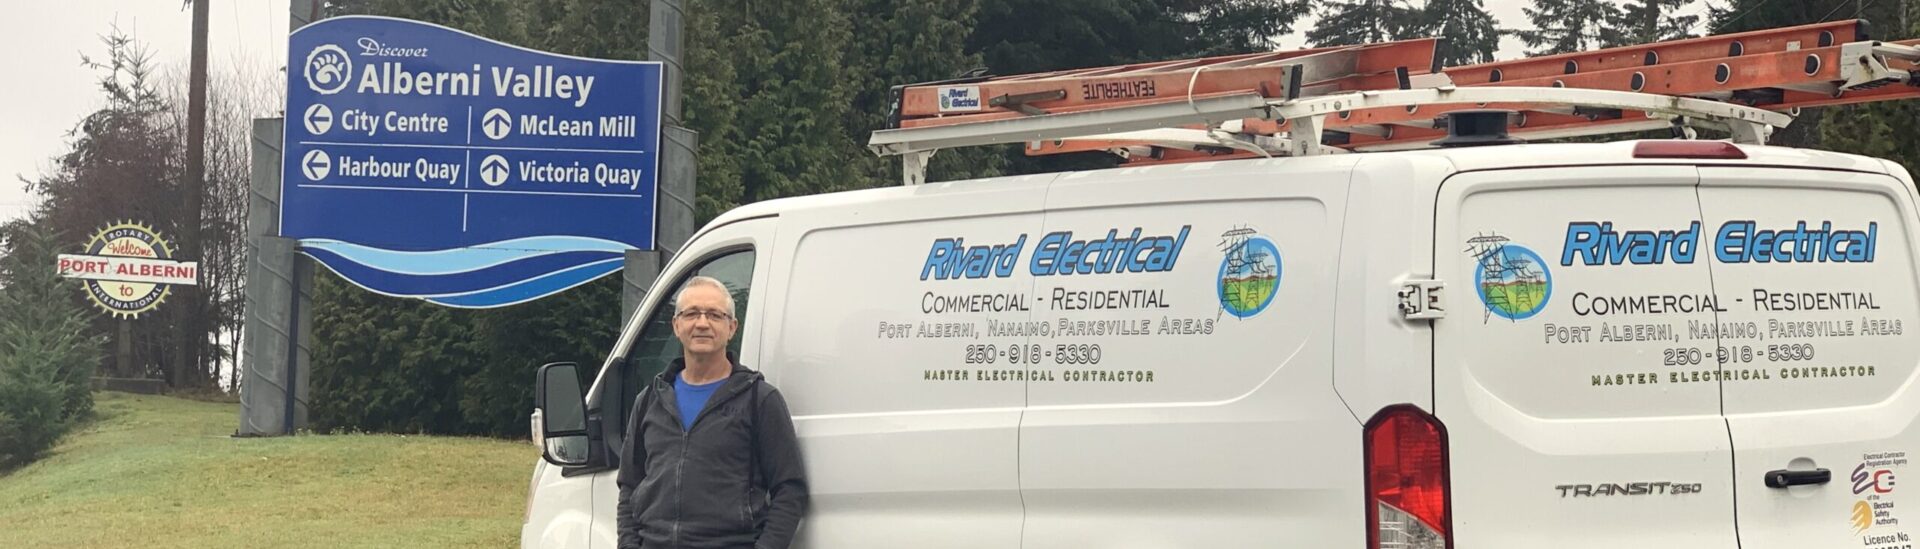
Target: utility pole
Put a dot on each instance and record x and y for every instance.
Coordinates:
(1650, 28)
(192, 336)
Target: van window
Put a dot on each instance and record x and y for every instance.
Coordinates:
(656, 346)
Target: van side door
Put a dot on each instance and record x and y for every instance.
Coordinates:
(1575, 369)
(1183, 394)
(1819, 344)
(907, 407)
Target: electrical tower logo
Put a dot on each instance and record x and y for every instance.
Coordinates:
(328, 69)
(1512, 280)
(1249, 274)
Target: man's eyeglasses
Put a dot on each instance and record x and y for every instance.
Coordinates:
(691, 315)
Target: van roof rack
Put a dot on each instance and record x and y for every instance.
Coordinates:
(1393, 96)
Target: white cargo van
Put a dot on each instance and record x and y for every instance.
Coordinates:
(1651, 343)
(1634, 344)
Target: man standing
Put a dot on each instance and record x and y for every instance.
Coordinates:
(710, 460)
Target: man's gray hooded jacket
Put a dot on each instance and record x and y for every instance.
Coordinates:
(707, 487)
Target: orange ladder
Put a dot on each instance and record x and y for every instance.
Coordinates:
(1183, 110)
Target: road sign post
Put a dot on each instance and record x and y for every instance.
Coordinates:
(666, 44)
(278, 329)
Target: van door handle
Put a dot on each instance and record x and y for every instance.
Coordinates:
(1784, 478)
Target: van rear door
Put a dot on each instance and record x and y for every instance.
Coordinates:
(1818, 271)
(1580, 410)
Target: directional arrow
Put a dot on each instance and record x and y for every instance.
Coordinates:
(493, 170)
(319, 119)
(496, 124)
(316, 165)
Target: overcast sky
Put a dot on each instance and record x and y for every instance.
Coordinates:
(47, 91)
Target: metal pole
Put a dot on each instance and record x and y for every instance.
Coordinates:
(301, 13)
(279, 282)
(293, 354)
(279, 285)
(673, 223)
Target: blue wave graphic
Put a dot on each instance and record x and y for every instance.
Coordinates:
(492, 275)
(455, 283)
(461, 259)
(531, 289)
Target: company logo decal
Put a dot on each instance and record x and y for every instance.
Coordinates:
(1057, 254)
(1737, 241)
(1880, 481)
(1512, 280)
(959, 98)
(1873, 483)
(328, 69)
(1249, 272)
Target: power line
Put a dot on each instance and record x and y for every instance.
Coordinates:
(1836, 9)
(1743, 13)
(1858, 9)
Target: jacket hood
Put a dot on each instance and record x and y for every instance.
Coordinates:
(737, 382)
(680, 364)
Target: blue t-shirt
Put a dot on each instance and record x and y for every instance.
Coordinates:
(693, 398)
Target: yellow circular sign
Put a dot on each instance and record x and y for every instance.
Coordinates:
(128, 299)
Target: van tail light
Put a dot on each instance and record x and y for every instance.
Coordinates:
(1406, 465)
(1688, 149)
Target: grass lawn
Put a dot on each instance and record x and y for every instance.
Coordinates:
(157, 472)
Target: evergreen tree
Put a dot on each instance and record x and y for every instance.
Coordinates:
(48, 351)
(1224, 27)
(503, 20)
(905, 42)
(711, 108)
(789, 94)
(1808, 128)
(1883, 129)
(123, 163)
(1350, 22)
(606, 29)
(389, 364)
(1468, 33)
(1644, 21)
(1029, 36)
(1561, 26)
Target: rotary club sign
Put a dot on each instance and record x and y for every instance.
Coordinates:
(129, 269)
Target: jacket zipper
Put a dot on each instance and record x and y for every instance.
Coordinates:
(680, 465)
(679, 484)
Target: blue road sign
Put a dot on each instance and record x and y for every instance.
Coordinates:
(427, 162)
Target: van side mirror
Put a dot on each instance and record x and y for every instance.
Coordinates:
(560, 415)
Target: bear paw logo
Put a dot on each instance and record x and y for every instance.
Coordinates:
(328, 69)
